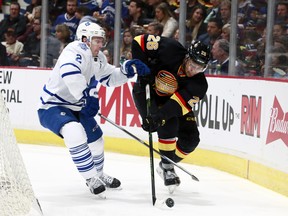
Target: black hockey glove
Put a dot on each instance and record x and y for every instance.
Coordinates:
(152, 122)
(170, 109)
(90, 102)
(131, 67)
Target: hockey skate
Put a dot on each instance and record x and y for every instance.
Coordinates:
(96, 187)
(167, 173)
(110, 182)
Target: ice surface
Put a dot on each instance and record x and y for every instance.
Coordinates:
(62, 191)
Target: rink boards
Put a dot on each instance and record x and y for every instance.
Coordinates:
(243, 123)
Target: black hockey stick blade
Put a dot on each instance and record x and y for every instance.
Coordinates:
(145, 144)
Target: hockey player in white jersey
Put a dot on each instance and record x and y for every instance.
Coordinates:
(69, 102)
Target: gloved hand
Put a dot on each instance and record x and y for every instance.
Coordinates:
(90, 102)
(130, 67)
(152, 122)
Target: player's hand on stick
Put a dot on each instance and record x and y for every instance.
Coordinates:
(131, 67)
(152, 122)
(90, 102)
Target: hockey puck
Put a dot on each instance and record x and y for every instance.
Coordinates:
(169, 202)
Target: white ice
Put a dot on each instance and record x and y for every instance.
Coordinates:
(61, 190)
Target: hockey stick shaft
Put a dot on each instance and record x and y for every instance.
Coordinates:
(148, 104)
(145, 144)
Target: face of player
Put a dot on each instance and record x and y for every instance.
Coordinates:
(192, 68)
(96, 44)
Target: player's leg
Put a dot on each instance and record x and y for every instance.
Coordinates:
(96, 146)
(167, 145)
(65, 124)
(188, 137)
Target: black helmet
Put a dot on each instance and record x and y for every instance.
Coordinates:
(199, 52)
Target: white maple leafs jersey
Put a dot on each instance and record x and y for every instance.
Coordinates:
(75, 69)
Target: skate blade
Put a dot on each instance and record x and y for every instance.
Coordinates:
(172, 188)
(160, 172)
(102, 195)
(113, 189)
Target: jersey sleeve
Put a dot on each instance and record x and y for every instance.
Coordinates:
(108, 75)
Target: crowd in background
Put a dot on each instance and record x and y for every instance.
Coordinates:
(206, 20)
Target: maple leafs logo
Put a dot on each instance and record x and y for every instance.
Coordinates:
(278, 126)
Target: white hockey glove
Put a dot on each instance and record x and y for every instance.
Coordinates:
(131, 67)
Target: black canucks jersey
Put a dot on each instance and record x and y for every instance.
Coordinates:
(167, 54)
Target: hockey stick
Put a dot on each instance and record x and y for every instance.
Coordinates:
(147, 145)
(148, 104)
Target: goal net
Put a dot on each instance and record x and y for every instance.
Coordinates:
(16, 193)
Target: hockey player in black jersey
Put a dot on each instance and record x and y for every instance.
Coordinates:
(177, 83)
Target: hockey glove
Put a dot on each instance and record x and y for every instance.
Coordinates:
(90, 102)
(130, 67)
(152, 122)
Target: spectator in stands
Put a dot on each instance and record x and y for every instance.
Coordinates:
(14, 20)
(252, 21)
(176, 35)
(245, 7)
(214, 30)
(151, 8)
(56, 8)
(136, 15)
(107, 13)
(281, 40)
(226, 31)
(282, 12)
(53, 50)
(31, 50)
(260, 26)
(63, 35)
(155, 28)
(279, 29)
(225, 11)
(247, 51)
(3, 60)
(108, 55)
(195, 25)
(190, 5)
(138, 30)
(83, 14)
(68, 18)
(91, 5)
(278, 67)
(109, 37)
(165, 17)
(220, 53)
(29, 9)
(261, 5)
(13, 46)
(126, 45)
(36, 13)
(214, 11)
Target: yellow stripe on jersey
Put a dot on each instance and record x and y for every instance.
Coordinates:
(140, 40)
(167, 145)
(180, 101)
(180, 153)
